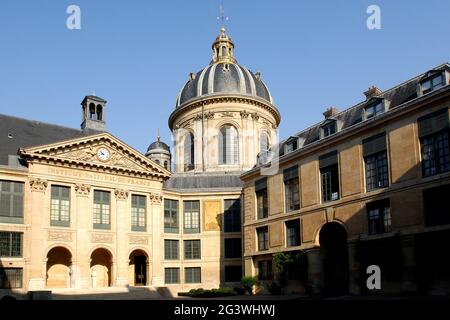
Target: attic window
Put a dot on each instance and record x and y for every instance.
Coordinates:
(374, 108)
(291, 145)
(432, 83)
(328, 129)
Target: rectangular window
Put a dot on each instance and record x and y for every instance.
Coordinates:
(329, 129)
(435, 153)
(434, 130)
(432, 83)
(437, 209)
(265, 270)
(171, 249)
(192, 275)
(379, 216)
(375, 159)
(171, 275)
(291, 189)
(60, 206)
(374, 109)
(11, 244)
(138, 213)
(291, 145)
(11, 201)
(192, 249)
(171, 216)
(329, 173)
(11, 278)
(293, 233)
(263, 238)
(191, 216)
(232, 215)
(233, 273)
(102, 210)
(233, 248)
(262, 199)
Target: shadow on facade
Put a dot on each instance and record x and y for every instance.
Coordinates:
(412, 258)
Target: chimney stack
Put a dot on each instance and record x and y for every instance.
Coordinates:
(373, 91)
(331, 112)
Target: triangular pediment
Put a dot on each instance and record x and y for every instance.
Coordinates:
(97, 151)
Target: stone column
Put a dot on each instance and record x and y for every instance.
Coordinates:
(315, 271)
(409, 279)
(156, 211)
(354, 269)
(37, 271)
(123, 226)
(83, 225)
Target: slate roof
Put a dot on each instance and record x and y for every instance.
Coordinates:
(16, 133)
(196, 182)
(396, 96)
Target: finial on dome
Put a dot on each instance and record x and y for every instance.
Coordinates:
(158, 138)
(223, 48)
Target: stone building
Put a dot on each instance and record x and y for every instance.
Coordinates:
(81, 209)
(366, 186)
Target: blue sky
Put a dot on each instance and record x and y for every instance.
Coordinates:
(138, 54)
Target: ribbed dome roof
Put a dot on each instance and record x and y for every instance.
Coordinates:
(223, 75)
(223, 78)
(158, 145)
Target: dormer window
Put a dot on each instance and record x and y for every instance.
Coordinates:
(328, 129)
(432, 83)
(374, 108)
(291, 145)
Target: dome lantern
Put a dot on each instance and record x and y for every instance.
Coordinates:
(223, 49)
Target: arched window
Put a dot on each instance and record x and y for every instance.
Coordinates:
(92, 111)
(228, 145)
(99, 112)
(189, 152)
(166, 165)
(157, 161)
(264, 142)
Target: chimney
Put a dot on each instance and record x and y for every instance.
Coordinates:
(331, 112)
(373, 91)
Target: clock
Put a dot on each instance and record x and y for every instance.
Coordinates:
(103, 154)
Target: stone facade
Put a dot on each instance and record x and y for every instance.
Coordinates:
(399, 246)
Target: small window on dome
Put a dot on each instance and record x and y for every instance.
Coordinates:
(226, 67)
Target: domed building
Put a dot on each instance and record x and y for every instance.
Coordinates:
(159, 152)
(223, 118)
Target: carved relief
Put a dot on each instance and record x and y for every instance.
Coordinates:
(227, 114)
(244, 114)
(38, 185)
(59, 236)
(155, 198)
(89, 155)
(102, 238)
(198, 117)
(121, 194)
(138, 240)
(82, 189)
(209, 115)
(255, 116)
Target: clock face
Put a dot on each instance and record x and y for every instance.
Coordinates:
(103, 154)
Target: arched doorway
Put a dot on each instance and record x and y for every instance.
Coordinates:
(138, 268)
(101, 265)
(59, 260)
(334, 255)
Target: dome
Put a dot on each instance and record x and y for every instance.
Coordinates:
(158, 147)
(223, 75)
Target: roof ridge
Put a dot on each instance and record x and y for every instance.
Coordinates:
(403, 83)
